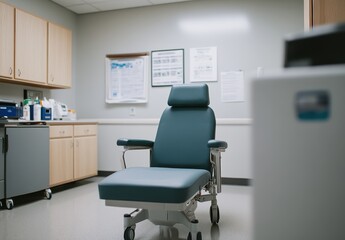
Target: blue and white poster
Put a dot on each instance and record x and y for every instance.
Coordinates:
(126, 80)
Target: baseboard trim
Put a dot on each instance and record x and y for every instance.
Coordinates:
(105, 173)
(225, 181)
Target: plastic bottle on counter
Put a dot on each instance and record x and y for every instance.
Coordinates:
(37, 110)
(26, 109)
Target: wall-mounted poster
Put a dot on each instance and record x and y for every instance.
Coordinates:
(203, 64)
(126, 78)
(167, 67)
(232, 86)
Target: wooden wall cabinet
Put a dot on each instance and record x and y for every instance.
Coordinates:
(59, 56)
(6, 41)
(73, 152)
(319, 12)
(30, 48)
(33, 51)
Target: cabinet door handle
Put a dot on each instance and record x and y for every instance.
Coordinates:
(19, 72)
(11, 71)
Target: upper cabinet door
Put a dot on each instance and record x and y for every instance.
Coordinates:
(31, 48)
(59, 56)
(328, 11)
(6, 41)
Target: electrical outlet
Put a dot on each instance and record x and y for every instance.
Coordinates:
(132, 111)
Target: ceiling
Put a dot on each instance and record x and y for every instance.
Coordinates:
(91, 6)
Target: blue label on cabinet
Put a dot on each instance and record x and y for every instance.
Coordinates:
(313, 105)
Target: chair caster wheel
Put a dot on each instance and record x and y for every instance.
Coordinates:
(129, 234)
(9, 204)
(198, 236)
(214, 214)
(48, 194)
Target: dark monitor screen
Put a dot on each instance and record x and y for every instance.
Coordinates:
(323, 45)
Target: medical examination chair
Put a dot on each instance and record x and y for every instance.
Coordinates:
(185, 167)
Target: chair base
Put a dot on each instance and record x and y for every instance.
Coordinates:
(160, 214)
(168, 214)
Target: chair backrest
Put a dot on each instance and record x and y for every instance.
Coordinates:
(184, 129)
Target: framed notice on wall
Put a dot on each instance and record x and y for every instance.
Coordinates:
(203, 64)
(167, 67)
(126, 78)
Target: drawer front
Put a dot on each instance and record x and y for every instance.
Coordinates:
(61, 131)
(85, 130)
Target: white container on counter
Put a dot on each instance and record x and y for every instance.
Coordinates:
(37, 111)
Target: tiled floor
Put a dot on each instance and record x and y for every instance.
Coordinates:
(76, 213)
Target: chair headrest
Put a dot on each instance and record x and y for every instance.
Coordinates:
(189, 95)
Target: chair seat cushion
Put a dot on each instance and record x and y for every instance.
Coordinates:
(154, 184)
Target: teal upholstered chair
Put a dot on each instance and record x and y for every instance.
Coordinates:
(184, 167)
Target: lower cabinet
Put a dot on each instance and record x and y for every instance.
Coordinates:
(73, 152)
(85, 151)
(61, 161)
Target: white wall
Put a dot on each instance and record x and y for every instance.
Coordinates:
(155, 28)
(257, 44)
(159, 27)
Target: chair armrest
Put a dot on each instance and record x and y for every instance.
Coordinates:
(217, 144)
(134, 143)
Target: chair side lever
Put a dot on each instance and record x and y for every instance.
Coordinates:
(216, 148)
